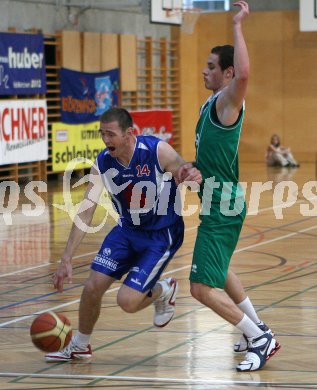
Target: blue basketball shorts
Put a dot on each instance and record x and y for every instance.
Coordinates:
(142, 255)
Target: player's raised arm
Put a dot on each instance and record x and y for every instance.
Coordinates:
(232, 97)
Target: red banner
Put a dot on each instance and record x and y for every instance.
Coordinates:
(154, 122)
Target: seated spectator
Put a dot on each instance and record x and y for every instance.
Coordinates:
(278, 155)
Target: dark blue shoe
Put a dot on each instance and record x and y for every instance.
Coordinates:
(260, 350)
(242, 344)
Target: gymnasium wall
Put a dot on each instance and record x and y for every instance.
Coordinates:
(53, 15)
(282, 93)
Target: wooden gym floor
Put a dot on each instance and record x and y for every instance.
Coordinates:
(276, 259)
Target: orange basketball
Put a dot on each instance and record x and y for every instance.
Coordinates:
(51, 332)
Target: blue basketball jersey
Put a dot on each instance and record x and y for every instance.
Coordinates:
(142, 193)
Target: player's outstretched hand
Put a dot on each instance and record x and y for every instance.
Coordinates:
(188, 172)
(64, 270)
(243, 13)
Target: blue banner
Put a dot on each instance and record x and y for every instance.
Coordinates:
(22, 64)
(85, 96)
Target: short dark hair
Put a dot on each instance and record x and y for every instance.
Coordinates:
(119, 114)
(225, 54)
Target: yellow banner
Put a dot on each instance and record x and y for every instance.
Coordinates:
(71, 142)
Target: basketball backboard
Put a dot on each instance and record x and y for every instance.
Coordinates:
(166, 11)
(173, 11)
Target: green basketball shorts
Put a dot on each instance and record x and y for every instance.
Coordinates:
(217, 238)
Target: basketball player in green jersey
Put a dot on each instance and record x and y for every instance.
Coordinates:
(223, 207)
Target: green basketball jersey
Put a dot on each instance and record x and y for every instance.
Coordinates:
(217, 156)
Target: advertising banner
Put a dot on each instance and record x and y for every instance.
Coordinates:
(23, 131)
(73, 141)
(154, 122)
(22, 64)
(85, 96)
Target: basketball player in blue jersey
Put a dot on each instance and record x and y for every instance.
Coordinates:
(137, 173)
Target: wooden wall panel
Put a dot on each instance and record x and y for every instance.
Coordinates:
(71, 50)
(281, 96)
(264, 100)
(109, 51)
(300, 89)
(91, 52)
(189, 104)
(128, 62)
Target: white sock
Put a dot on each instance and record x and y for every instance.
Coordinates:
(248, 327)
(82, 339)
(247, 308)
(165, 287)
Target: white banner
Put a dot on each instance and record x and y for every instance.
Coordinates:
(23, 131)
